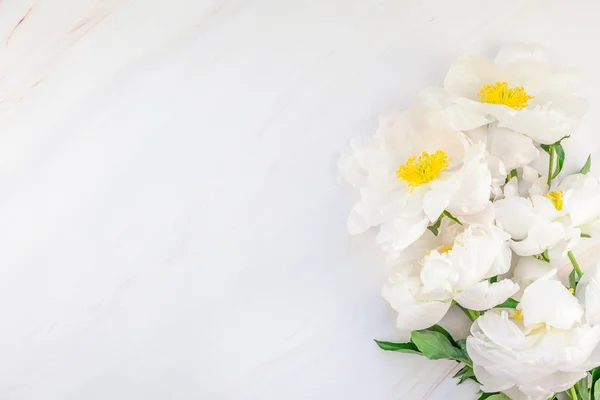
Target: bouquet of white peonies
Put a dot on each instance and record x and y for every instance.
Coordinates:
(472, 212)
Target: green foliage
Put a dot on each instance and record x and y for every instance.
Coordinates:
(434, 343)
(587, 166)
(399, 347)
(509, 303)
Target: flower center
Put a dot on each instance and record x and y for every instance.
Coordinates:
(556, 198)
(446, 248)
(517, 316)
(424, 169)
(500, 93)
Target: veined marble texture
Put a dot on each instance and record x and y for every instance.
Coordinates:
(170, 222)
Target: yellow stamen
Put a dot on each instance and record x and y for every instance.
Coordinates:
(556, 198)
(424, 169)
(500, 93)
(517, 316)
(572, 290)
(446, 248)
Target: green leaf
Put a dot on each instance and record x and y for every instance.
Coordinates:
(440, 329)
(436, 346)
(595, 395)
(509, 303)
(493, 279)
(435, 228)
(465, 373)
(585, 235)
(462, 371)
(573, 279)
(462, 344)
(546, 147)
(595, 391)
(468, 376)
(472, 315)
(511, 174)
(587, 166)
(560, 159)
(581, 388)
(399, 347)
(452, 217)
(494, 396)
(545, 256)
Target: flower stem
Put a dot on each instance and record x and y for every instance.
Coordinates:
(551, 151)
(575, 264)
(573, 393)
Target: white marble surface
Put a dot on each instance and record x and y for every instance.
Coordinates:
(170, 222)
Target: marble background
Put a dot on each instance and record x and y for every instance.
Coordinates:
(170, 222)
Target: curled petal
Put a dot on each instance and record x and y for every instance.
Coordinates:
(484, 295)
(541, 236)
(400, 233)
(548, 301)
(513, 148)
(468, 74)
(413, 315)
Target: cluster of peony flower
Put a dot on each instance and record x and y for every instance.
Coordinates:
(472, 211)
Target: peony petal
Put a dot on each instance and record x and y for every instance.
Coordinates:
(515, 215)
(349, 169)
(541, 236)
(436, 201)
(514, 393)
(548, 301)
(543, 125)
(422, 315)
(518, 52)
(503, 331)
(544, 208)
(357, 223)
(528, 270)
(583, 205)
(588, 293)
(449, 111)
(472, 185)
(511, 188)
(484, 295)
(483, 217)
(438, 277)
(467, 76)
(489, 382)
(557, 382)
(399, 128)
(413, 315)
(513, 148)
(400, 233)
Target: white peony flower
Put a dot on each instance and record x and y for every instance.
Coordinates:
(519, 90)
(543, 347)
(552, 221)
(408, 173)
(457, 267)
(505, 149)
